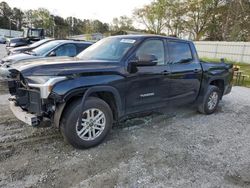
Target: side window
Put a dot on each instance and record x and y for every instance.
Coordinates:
(82, 47)
(66, 50)
(152, 47)
(179, 52)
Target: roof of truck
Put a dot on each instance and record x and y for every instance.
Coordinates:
(149, 36)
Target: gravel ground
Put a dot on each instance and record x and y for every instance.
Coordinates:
(180, 148)
(174, 148)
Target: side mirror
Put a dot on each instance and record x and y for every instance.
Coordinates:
(52, 54)
(146, 60)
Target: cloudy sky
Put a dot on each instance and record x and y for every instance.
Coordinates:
(104, 10)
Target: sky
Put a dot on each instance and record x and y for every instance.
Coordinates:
(103, 10)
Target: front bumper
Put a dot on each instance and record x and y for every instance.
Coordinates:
(24, 116)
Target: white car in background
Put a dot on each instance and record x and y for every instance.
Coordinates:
(2, 40)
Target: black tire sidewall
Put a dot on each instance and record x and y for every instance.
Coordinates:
(211, 89)
(71, 117)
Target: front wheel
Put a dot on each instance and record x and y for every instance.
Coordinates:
(96, 122)
(210, 101)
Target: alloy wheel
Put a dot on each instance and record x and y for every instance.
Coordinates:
(212, 100)
(92, 124)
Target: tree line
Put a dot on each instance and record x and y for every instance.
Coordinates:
(226, 20)
(54, 25)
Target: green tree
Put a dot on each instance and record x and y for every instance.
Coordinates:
(99, 27)
(198, 16)
(214, 27)
(5, 16)
(43, 19)
(28, 18)
(61, 27)
(230, 21)
(153, 16)
(162, 16)
(17, 16)
(5, 10)
(236, 23)
(174, 17)
(122, 23)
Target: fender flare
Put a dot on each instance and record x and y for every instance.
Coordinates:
(107, 89)
(87, 93)
(205, 85)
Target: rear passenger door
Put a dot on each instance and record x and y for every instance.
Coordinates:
(186, 71)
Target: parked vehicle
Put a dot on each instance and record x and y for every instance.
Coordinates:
(2, 40)
(29, 47)
(50, 49)
(30, 35)
(113, 79)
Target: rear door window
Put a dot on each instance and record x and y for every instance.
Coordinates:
(179, 52)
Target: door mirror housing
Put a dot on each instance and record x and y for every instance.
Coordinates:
(146, 60)
(143, 60)
(52, 54)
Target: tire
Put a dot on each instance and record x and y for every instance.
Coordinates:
(209, 105)
(83, 136)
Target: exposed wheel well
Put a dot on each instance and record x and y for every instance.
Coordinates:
(219, 84)
(108, 97)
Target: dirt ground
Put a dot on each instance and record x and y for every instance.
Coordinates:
(177, 148)
(174, 148)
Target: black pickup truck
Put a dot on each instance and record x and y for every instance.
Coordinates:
(113, 79)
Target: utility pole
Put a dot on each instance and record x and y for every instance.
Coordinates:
(10, 26)
(54, 24)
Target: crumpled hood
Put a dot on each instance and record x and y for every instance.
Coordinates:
(31, 63)
(61, 66)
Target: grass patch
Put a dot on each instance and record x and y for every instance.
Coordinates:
(244, 67)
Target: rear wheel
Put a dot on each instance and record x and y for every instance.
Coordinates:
(210, 101)
(96, 122)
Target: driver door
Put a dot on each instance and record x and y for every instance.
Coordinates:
(148, 87)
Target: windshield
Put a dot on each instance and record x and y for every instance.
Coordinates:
(39, 43)
(112, 49)
(44, 49)
(32, 32)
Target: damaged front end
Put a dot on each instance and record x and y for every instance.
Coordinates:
(25, 100)
(29, 99)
